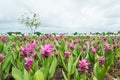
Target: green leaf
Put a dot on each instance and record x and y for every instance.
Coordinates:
(17, 74)
(69, 66)
(52, 68)
(1, 47)
(63, 63)
(64, 75)
(26, 75)
(38, 75)
(6, 61)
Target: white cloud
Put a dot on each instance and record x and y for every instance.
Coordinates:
(73, 15)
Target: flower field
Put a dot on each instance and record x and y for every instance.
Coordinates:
(59, 57)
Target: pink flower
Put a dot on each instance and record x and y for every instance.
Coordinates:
(106, 46)
(1, 57)
(101, 60)
(83, 65)
(114, 46)
(76, 40)
(23, 52)
(3, 38)
(46, 50)
(25, 38)
(28, 63)
(99, 41)
(35, 54)
(56, 53)
(118, 57)
(82, 52)
(93, 49)
(18, 37)
(104, 38)
(30, 48)
(71, 46)
(84, 47)
(67, 53)
(13, 44)
(61, 35)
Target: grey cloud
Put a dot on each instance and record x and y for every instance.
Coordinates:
(59, 15)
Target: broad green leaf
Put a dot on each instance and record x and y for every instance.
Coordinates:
(26, 75)
(38, 75)
(52, 68)
(65, 77)
(6, 61)
(17, 74)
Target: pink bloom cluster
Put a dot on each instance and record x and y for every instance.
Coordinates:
(83, 65)
(101, 60)
(71, 46)
(47, 49)
(76, 40)
(28, 63)
(29, 48)
(1, 57)
(84, 47)
(93, 49)
(106, 46)
(25, 37)
(67, 53)
(118, 57)
(3, 38)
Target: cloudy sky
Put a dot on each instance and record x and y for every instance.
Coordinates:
(62, 15)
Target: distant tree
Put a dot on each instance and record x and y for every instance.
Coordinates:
(32, 21)
(75, 33)
(118, 32)
(97, 33)
(103, 33)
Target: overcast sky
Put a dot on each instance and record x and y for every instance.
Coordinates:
(62, 15)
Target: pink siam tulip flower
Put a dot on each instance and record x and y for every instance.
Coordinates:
(83, 65)
(99, 41)
(67, 54)
(71, 46)
(84, 40)
(76, 40)
(13, 44)
(1, 57)
(104, 38)
(57, 38)
(23, 52)
(85, 43)
(3, 38)
(114, 46)
(82, 52)
(93, 49)
(41, 38)
(118, 57)
(46, 50)
(56, 53)
(18, 37)
(61, 36)
(35, 54)
(101, 60)
(25, 38)
(29, 48)
(113, 39)
(95, 46)
(28, 63)
(84, 47)
(106, 46)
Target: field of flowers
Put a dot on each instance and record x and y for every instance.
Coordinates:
(59, 57)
